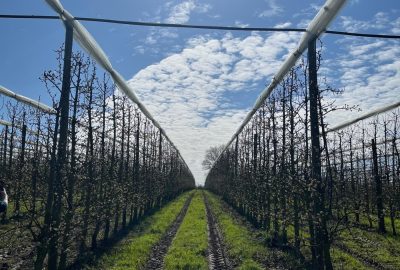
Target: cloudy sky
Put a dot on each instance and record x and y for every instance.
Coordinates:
(199, 84)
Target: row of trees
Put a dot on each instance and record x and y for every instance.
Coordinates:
(268, 173)
(117, 166)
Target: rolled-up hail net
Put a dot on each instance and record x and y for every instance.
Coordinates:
(88, 43)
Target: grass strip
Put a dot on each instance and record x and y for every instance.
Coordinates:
(340, 258)
(133, 252)
(245, 247)
(188, 250)
(382, 249)
(364, 223)
(344, 260)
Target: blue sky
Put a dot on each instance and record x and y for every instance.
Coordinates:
(200, 84)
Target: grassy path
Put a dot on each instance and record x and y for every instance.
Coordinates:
(245, 246)
(380, 250)
(188, 250)
(133, 252)
(193, 244)
(156, 258)
(359, 248)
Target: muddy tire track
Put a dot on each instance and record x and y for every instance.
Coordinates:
(217, 255)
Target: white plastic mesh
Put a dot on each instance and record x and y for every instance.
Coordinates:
(364, 116)
(316, 27)
(4, 123)
(88, 43)
(28, 101)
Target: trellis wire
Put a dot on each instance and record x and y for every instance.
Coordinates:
(195, 26)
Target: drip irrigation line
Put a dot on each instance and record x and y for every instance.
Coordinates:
(195, 26)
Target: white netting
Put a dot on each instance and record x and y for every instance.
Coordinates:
(28, 101)
(316, 27)
(5, 123)
(88, 43)
(365, 116)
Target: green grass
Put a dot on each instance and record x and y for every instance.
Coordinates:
(340, 258)
(382, 248)
(388, 224)
(133, 252)
(343, 260)
(188, 249)
(369, 244)
(245, 247)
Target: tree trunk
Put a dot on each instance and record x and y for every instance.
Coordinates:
(378, 190)
(322, 239)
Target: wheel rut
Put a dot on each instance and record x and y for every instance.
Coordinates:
(369, 262)
(217, 256)
(159, 251)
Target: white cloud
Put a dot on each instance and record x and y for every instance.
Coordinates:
(304, 23)
(139, 49)
(192, 93)
(370, 74)
(309, 12)
(178, 14)
(240, 24)
(380, 21)
(273, 9)
(396, 26)
(367, 68)
(283, 25)
(181, 12)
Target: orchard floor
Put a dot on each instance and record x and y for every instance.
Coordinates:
(200, 231)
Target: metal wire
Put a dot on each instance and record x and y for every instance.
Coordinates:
(193, 26)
